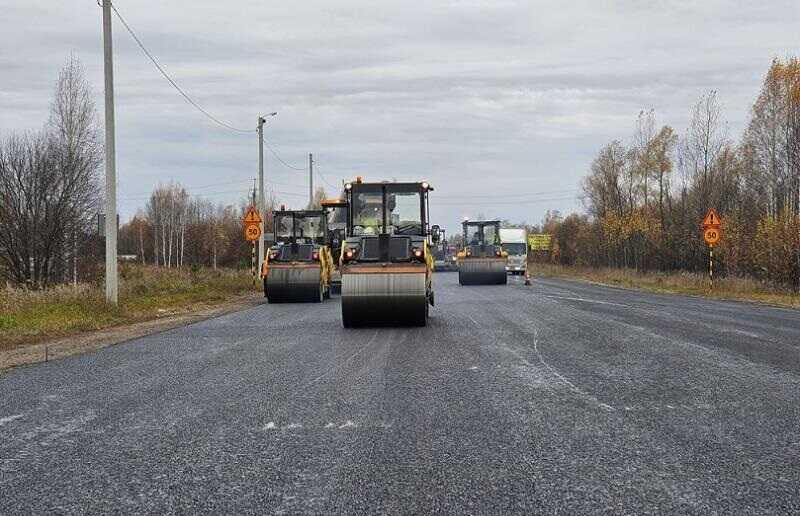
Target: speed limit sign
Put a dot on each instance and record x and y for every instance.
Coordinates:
(712, 235)
(252, 232)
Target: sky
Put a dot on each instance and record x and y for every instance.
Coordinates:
(501, 105)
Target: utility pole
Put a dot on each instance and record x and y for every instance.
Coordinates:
(310, 180)
(260, 205)
(112, 295)
(253, 266)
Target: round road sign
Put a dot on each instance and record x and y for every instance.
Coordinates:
(712, 235)
(252, 232)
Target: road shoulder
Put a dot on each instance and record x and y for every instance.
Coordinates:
(92, 341)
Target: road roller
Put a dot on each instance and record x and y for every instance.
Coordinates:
(386, 260)
(482, 261)
(337, 232)
(298, 267)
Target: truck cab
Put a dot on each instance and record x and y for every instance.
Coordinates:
(515, 243)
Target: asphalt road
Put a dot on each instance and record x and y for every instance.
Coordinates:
(557, 398)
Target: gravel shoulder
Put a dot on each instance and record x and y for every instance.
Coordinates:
(92, 341)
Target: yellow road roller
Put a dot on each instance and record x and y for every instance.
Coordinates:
(482, 261)
(298, 267)
(386, 262)
(337, 232)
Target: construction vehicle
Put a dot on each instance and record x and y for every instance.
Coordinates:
(337, 233)
(515, 243)
(444, 259)
(482, 261)
(386, 263)
(298, 267)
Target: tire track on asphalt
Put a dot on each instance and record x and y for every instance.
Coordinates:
(295, 396)
(572, 387)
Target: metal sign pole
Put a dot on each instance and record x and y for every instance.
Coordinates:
(711, 265)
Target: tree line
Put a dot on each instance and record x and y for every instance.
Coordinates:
(175, 229)
(645, 199)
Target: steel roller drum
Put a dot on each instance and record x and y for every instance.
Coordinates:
(480, 271)
(384, 298)
(288, 284)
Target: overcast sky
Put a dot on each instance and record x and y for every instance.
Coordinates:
(501, 105)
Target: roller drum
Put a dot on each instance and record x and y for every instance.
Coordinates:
(294, 284)
(384, 299)
(478, 271)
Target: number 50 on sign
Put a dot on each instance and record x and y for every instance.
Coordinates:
(712, 235)
(252, 232)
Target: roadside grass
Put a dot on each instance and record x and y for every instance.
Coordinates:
(732, 288)
(146, 292)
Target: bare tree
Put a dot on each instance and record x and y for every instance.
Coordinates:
(319, 196)
(48, 185)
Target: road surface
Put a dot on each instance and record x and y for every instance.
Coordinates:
(562, 397)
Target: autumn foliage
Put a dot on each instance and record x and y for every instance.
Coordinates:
(645, 200)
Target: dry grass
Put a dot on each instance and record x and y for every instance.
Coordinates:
(145, 293)
(741, 289)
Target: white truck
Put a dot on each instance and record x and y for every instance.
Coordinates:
(515, 243)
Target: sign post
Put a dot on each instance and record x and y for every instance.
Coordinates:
(540, 246)
(712, 234)
(252, 233)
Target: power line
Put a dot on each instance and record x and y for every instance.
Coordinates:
(281, 160)
(190, 188)
(502, 203)
(171, 81)
(324, 179)
(514, 195)
(146, 197)
(222, 192)
(226, 183)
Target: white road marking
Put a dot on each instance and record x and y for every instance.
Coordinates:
(561, 377)
(8, 419)
(292, 426)
(270, 426)
(550, 368)
(349, 424)
(584, 300)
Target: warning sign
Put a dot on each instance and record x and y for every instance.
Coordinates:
(711, 227)
(540, 242)
(712, 219)
(252, 216)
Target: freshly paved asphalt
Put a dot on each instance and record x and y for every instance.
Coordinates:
(557, 398)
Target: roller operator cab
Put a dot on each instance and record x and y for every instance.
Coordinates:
(386, 261)
(298, 267)
(482, 261)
